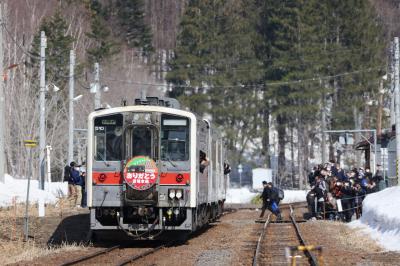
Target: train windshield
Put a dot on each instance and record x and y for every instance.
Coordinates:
(174, 138)
(141, 141)
(108, 138)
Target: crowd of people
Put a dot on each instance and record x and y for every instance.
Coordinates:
(75, 175)
(337, 194)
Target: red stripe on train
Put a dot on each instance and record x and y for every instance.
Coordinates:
(114, 178)
(107, 178)
(174, 178)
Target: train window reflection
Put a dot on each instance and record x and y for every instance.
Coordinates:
(141, 141)
(108, 138)
(174, 139)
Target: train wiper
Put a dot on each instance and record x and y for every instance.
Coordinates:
(103, 160)
(169, 160)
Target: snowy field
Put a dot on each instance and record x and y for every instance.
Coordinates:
(17, 188)
(381, 218)
(243, 195)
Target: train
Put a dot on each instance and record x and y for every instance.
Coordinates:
(153, 168)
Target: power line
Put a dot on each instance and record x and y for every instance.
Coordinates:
(277, 83)
(305, 61)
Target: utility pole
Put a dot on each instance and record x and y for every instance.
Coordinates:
(323, 125)
(97, 96)
(71, 107)
(380, 107)
(392, 100)
(2, 103)
(42, 106)
(397, 105)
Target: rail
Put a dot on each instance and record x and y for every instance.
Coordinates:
(289, 251)
(260, 240)
(130, 259)
(90, 256)
(143, 254)
(307, 251)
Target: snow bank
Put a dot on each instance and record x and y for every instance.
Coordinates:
(381, 218)
(17, 188)
(239, 195)
(292, 196)
(244, 195)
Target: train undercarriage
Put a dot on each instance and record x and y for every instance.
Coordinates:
(149, 222)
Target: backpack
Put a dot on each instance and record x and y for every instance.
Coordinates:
(281, 193)
(67, 173)
(278, 193)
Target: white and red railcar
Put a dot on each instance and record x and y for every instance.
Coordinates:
(143, 169)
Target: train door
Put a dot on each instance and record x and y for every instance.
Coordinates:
(141, 140)
(141, 143)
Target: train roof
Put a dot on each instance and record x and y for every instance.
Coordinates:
(141, 108)
(154, 104)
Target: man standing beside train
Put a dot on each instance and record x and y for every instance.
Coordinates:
(77, 180)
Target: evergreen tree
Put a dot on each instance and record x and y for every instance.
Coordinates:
(215, 70)
(57, 52)
(130, 14)
(102, 47)
(280, 54)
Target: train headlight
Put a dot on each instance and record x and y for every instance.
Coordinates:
(147, 117)
(136, 117)
(171, 193)
(179, 193)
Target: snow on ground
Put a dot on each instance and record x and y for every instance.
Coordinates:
(294, 196)
(244, 195)
(17, 188)
(381, 218)
(239, 195)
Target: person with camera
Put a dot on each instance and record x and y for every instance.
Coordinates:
(348, 194)
(77, 181)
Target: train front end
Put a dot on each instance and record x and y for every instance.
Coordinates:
(141, 165)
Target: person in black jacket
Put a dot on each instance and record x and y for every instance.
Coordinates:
(71, 182)
(270, 199)
(348, 195)
(78, 184)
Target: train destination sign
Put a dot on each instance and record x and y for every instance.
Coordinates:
(140, 172)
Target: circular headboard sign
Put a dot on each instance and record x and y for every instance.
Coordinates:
(140, 172)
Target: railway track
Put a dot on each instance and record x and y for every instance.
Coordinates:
(137, 254)
(282, 243)
(90, 256)
(144, 254)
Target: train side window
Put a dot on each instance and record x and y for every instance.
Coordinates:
(108, 138)
(204, 161)
(100, 147)
(174, 138)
